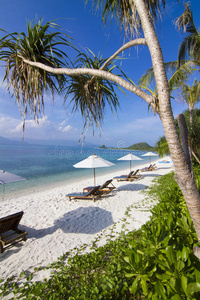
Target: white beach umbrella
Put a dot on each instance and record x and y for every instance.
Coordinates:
(93, 161)
(6, 177)
(150, 154)
(130, 157)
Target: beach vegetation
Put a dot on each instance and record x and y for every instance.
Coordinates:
(191, 95)
(154, 262)
(138, 18)
(194, 132)
(162, 147)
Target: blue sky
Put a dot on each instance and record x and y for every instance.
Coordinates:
(133, 123)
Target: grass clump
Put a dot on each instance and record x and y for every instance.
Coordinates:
(155, 262)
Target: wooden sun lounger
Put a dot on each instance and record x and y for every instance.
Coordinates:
(104, 188)
(150, 168)
(93, 194)
(9, 232)
(130, 177)
(123, 176)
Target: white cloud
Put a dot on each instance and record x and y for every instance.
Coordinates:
(31, 124)
(43, 129)
(67, 128)
(63, 123)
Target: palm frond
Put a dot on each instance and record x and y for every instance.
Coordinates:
(180, 75)
(126, 14)
(190, 47)
(191, 94)
(162, 147)
(26, 83)
(148, 78)
(90, 94)
(176, 75)
(185, 21)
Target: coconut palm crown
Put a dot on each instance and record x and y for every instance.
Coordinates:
(26, 83)
(126, 13)
(190, 47)
(89, 94)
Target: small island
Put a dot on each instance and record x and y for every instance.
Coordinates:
(139, 147)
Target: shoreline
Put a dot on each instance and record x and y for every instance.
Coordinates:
(34, 188)
(56, 225)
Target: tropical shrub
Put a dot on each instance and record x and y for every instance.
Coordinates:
(154, 262)
(161, 263)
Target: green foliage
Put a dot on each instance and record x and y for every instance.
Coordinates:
(155, 262)
(141, 146)
(190, 47)
(194, 131)
(162, 147)
(161, 263)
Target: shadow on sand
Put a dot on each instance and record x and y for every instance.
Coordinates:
(88, 220)
(132, 187)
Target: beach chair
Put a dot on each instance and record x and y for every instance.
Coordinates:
(93, 194)
(9, 232)
(150, 168)
(154, 167)
(133, 175)
(137, 174)
(123, 176)
(146, 168)
(104, 188)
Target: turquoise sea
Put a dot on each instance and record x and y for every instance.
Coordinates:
(52, 165)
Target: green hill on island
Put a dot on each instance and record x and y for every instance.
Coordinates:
(141, 147)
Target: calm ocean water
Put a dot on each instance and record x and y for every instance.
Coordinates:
(47, 165)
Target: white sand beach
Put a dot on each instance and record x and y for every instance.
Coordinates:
(55, 225)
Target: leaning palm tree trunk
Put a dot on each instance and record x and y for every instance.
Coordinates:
(183, 175)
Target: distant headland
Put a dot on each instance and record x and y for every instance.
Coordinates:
(139, 146)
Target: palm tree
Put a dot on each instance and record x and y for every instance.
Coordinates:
(178, 76)
(162, 147)
(190, 47)
(28, 84)
(195, 132)
(191, 95)
(141, 13)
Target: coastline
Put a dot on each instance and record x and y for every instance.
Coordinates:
(23, 188)
(56, 225)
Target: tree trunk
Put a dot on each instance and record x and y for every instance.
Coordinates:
(191, 117)
(195, 157)
(185, 140)
(183, 175)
